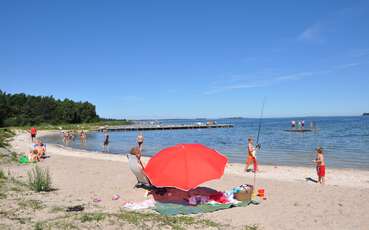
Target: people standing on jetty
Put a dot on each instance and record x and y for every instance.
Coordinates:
(320, 165)
(302, 124)
(293, 124)
(140, 140)
(251, 155)
(106, 141)
(33, 132)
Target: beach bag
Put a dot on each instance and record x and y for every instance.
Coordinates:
(23, 159)
(245, 192)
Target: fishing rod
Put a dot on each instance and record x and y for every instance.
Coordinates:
(260, 121)
(258, 138)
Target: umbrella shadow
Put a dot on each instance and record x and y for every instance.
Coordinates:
(311, 179)
(177, 196)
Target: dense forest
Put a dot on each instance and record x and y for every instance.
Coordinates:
(21, 109)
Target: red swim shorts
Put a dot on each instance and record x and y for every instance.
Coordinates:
(321, 170)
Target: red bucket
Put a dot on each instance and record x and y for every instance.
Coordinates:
(261, 192)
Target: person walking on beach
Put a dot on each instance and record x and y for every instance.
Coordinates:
(320, 165)
(33, 133)
(251, 155)
(106, 140)
(140, 140)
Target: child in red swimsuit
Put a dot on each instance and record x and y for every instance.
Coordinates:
(320, 165)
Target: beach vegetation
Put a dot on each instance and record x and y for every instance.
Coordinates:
(21, 109)
(88, 217)
(147, 220)
(33, 204)
(39, 179)
(251, 227)
(5, 134)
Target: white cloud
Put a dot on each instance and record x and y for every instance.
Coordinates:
(312, 33)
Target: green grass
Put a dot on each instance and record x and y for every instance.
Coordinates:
(147, 220)
(88, 217)
(33, 204)
(251, 227)
(5, 133)
(2, 175)
(39, 179)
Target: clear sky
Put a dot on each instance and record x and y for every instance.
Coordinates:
(166, 59)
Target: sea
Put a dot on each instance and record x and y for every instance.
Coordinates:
(345, 140)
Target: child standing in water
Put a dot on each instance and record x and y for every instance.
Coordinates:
(251, 155)
(106, 140)
(320, 165)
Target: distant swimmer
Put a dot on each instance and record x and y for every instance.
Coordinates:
(140, 140)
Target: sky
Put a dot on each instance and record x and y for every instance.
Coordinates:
(190, 59)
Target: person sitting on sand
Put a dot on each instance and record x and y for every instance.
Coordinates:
(33, 156)
(320, 165)
(140, 140)
(251, 155)
(40, 148)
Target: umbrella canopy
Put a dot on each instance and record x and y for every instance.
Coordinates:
(185, 166)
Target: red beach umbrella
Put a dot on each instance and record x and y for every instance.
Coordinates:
(185, 166)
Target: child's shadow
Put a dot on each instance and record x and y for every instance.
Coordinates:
(311, 179)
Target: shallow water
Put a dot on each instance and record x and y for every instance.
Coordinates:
(345, 140)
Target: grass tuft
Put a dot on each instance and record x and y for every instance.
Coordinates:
(88, 217)
(39, 179)
(33, 204)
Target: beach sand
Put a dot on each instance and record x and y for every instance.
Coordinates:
(292, 201)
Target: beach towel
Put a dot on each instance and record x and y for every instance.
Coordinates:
(171, 209)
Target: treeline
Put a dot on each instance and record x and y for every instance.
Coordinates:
(21, 110)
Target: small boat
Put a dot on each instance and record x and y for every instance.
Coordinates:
(299, 130)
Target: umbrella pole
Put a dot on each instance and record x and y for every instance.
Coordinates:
(254, 186)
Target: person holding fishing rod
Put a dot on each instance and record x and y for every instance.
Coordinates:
(251, 156)
(251, 150)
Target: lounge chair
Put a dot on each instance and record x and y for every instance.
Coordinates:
(137, 170)
(142, 180)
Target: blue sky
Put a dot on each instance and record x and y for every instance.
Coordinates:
(166, 59)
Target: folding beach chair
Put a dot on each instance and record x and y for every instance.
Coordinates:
(137, 170)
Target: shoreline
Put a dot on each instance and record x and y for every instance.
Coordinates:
(348, 177)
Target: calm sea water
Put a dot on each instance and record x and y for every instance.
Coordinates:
(345, 140)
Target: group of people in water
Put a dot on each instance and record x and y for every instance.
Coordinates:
(71, 136)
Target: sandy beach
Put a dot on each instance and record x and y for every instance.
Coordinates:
(292, 201)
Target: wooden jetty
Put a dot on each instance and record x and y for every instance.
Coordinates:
(300, 130)
(163, 127)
